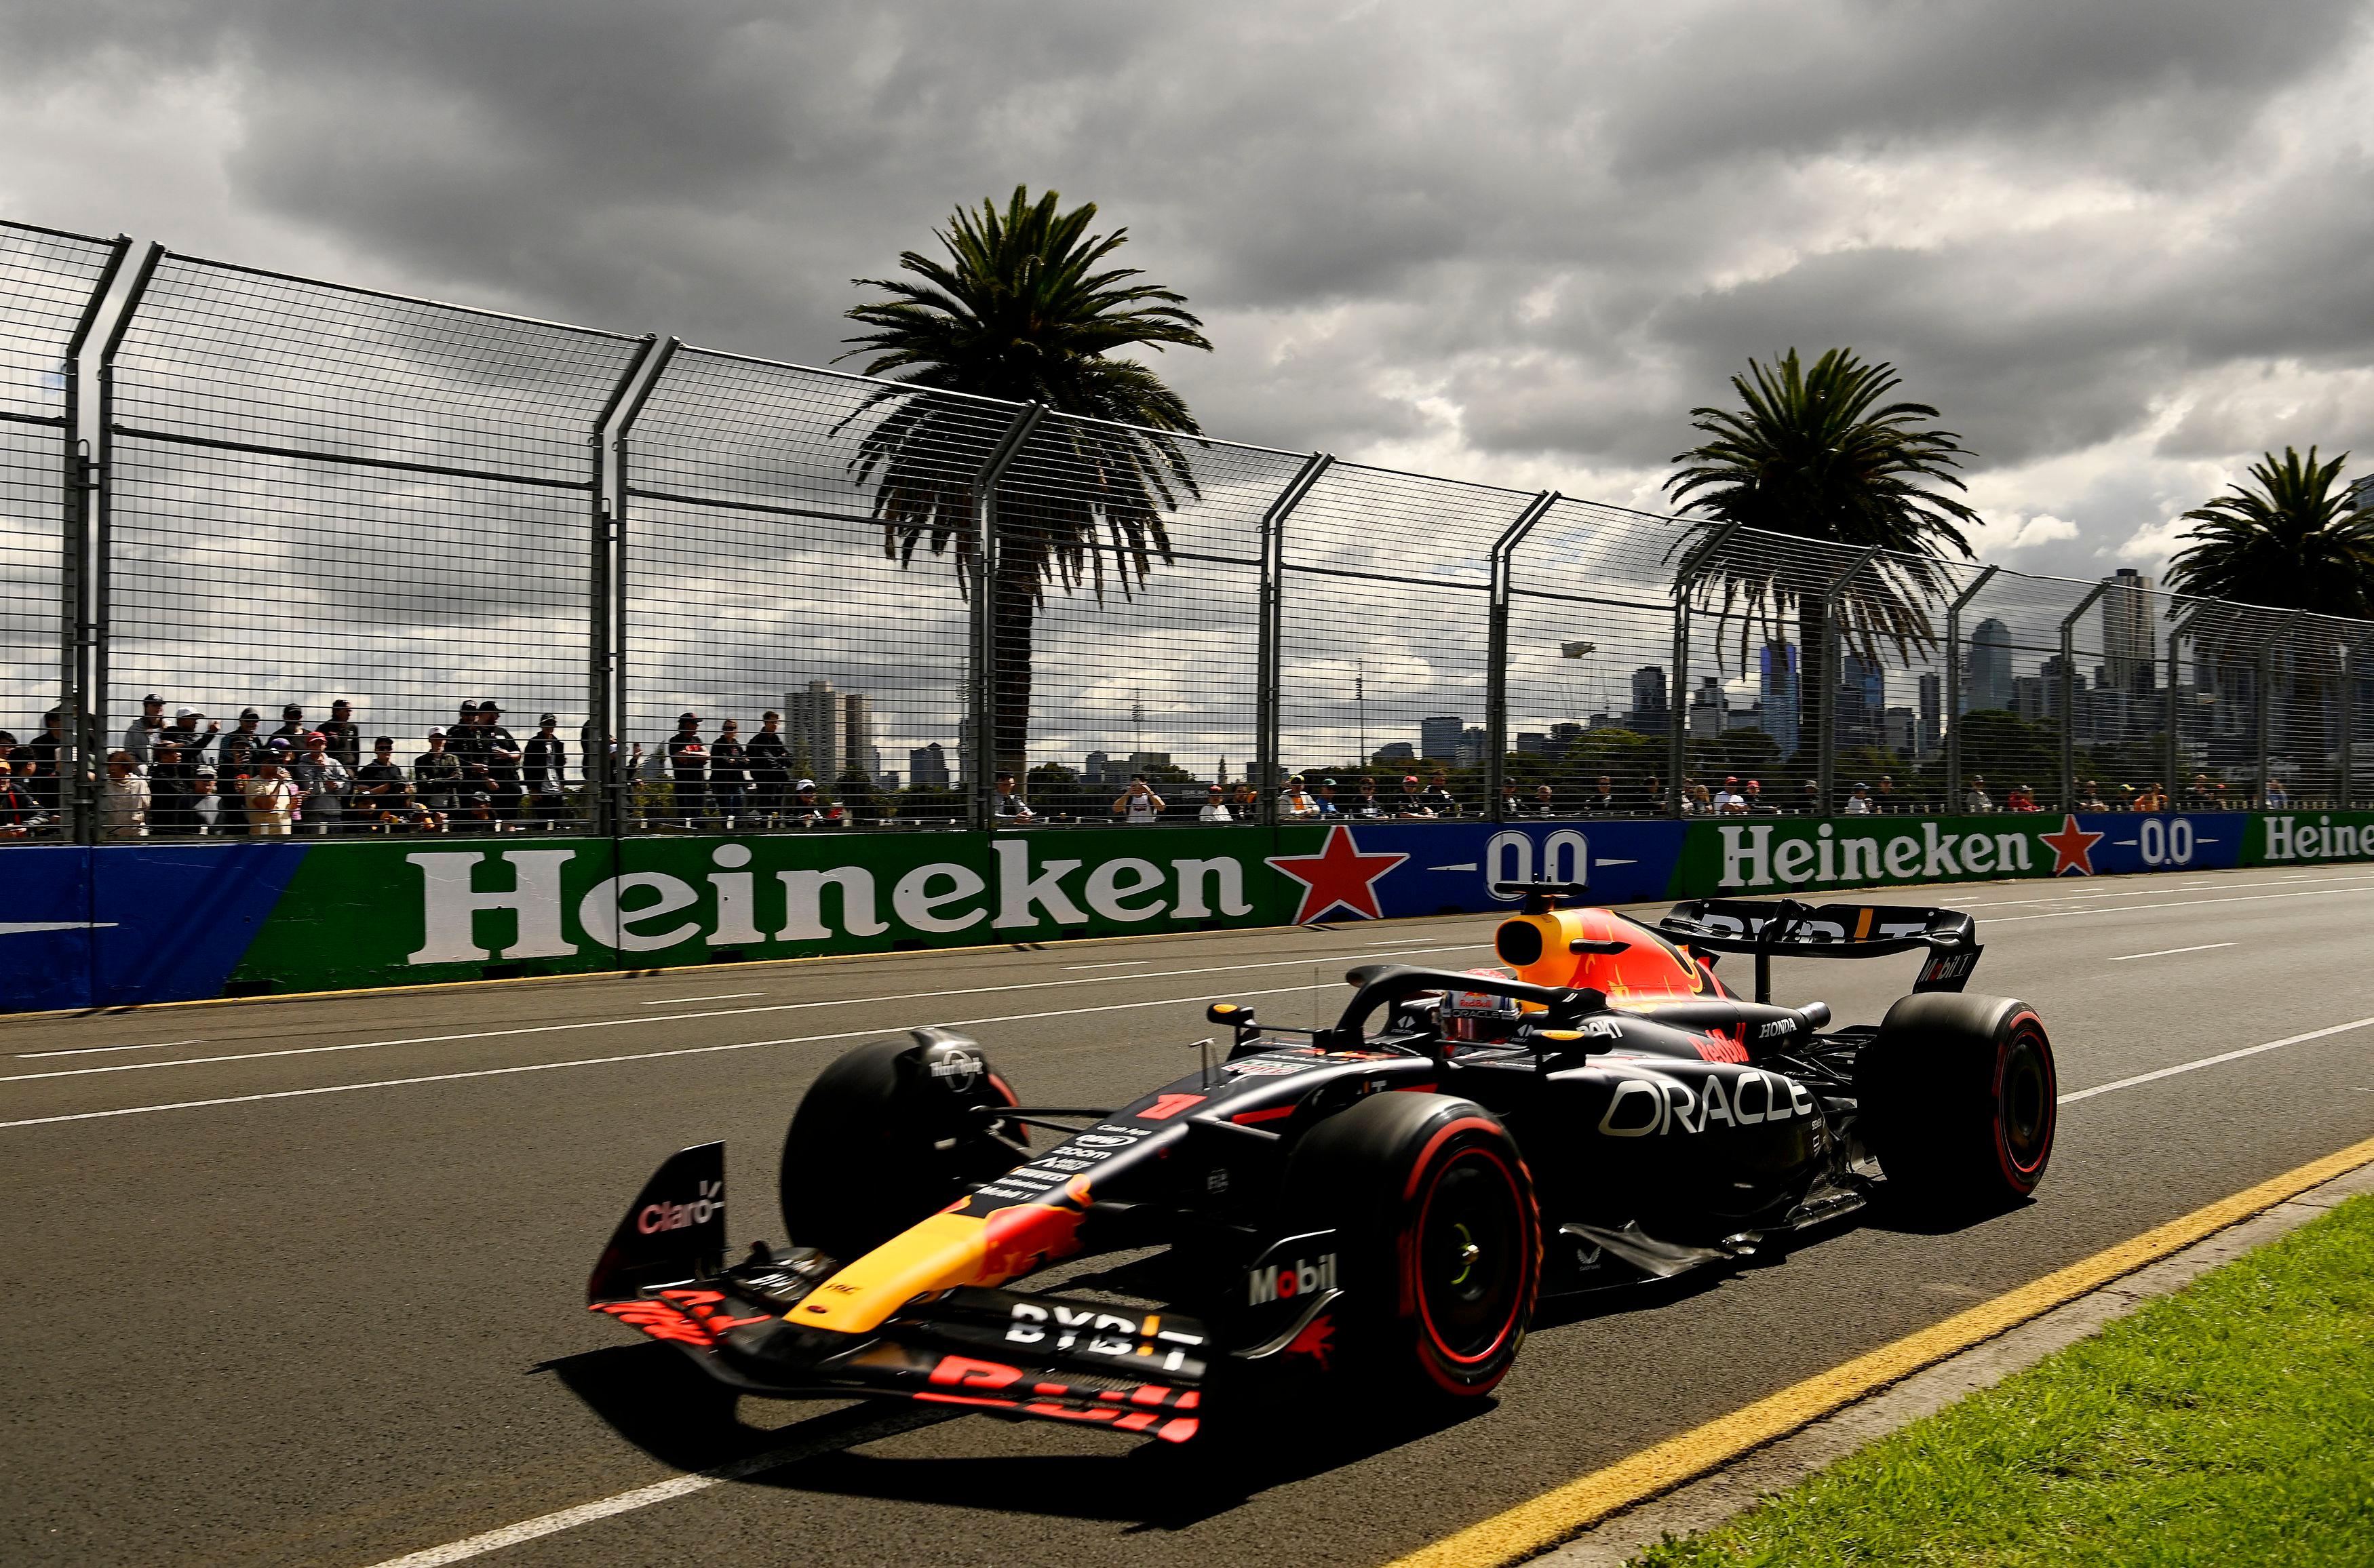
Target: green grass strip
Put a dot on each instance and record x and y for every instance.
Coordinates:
(2231, 1423)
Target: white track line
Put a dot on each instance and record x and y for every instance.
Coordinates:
(2176, 904)
(640, 1056)
(675, 1018)
(680, 1486)
(2164, 951)
(93, 1050)
(2117, 1083)
(680, 1000)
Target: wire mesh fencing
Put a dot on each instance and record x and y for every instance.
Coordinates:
(647, 587)
(50, 287)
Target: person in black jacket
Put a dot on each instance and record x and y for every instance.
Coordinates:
(689, 768)
(503, 753)
(771, 769)
(238, 758)
(728, 776)
(545, 766)
(344, 736)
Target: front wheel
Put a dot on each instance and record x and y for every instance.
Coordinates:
(1959, 1099)
(1440, 1237)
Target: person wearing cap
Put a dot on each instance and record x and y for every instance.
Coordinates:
(1728, 802)
(1296, 804)
(322, 783)
(140, 737)
(1010, 807)
(235, 758)
(437, 777)
(1216, 807)
(544, 764)
(1330, 808)
(183, 731)
(123, 799)
(383, 791)
(687, 760)
(808, 810)
(500, 748)
(1756, 805)
(206, 804)
(1412, 806)
(292, 729)
(1858, 800)
(271, 794)
(344, 735)
(1366, 805)
(1976, 802)
(173, 789)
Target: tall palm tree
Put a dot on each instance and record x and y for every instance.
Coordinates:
(1814, 453)
(1024, 309)
(2289, 539)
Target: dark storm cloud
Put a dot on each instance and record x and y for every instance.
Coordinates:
(1563, 227)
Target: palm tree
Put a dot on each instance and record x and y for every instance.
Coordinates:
(1023, 309)
(2291, 540)
(1815, 454)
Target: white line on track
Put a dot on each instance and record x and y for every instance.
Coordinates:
(680, 1486)
(675, 1018)
(2178, 904)
(1116, 964)
(641, 1056)
(2164, 951)
(2118, 1083)
(89, 1051)
(720, 995)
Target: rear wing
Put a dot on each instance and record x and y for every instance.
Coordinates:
(1765, 927)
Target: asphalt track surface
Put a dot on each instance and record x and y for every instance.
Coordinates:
(300, 1280)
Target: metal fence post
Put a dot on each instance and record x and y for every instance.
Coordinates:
(605, 598)
(2069, 695)
(1826, 753)
(2170, 743)
(1953, 703)
(2349, 659)
(91, 737)
(1677, 697)
(980, 767)
(1496, 658)
(2266, 729)
(77, 609)
(1271, 635)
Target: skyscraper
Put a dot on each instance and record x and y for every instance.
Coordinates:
(927, 766)
(1439, 737)
(1931, 731)
(1989, 665)
(2126, 627)
(814, 724)
(858, 754)
(1776, 693)
(1649, 716)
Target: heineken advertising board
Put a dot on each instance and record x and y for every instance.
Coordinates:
(161, 923)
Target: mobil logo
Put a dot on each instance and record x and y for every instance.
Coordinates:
(1285, 1281)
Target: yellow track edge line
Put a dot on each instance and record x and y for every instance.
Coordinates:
(1562, 1511)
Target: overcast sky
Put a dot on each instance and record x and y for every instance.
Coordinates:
(2124, 245)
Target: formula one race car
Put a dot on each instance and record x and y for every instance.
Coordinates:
(1393, 1200)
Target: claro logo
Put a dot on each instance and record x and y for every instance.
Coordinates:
(1281, 1281)
(653, 1218)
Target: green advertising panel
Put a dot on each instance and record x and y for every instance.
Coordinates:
(1809, 855)
(2292, 838)
(408, 912)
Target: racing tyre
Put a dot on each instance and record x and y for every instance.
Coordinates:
(1441, 1238)
(1958, 1100)
(889, 1134)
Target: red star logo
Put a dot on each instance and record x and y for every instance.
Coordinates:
(1339, 873)
(2072, 847)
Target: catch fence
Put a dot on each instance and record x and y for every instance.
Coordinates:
(645, 587)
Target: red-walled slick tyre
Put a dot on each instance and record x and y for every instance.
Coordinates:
(1441, 1238)
(1959, 1099)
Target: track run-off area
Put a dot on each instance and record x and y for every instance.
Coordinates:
(301, 1281)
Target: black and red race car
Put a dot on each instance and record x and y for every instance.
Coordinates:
(1393, 1193)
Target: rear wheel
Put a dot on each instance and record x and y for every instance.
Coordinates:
(1440, 1233)
(889, 1133)
(1959, 1099)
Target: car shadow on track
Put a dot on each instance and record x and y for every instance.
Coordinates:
(658, 1400)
